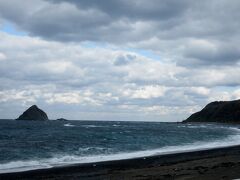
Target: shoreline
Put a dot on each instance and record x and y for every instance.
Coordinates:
(118, 157)
(153, 167)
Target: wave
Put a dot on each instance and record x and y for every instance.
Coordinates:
(116, 125)
(194, 126)
(91, 148)
(91, 126)
(65, 159)
(68, 125)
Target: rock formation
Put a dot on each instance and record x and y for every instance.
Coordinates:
(33, 113)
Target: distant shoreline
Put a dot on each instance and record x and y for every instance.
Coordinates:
(178, 122)
(199, 163)
(91, 120)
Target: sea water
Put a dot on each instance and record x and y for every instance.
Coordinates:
(26, 145)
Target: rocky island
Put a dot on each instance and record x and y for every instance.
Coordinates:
(61, 119)
(218, 111)
(33, 113)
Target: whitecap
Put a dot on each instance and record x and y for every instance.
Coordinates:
(68, 125)
(91, 126)
(116, 125)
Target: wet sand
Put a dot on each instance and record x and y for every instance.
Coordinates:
(218, 163)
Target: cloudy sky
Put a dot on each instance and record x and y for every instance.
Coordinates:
(156, 60)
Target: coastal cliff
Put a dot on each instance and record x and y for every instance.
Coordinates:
(218, 111)
(33, 113)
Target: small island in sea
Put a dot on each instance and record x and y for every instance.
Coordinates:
(33, 113)
(61, 119)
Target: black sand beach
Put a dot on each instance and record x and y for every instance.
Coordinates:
(218, 163)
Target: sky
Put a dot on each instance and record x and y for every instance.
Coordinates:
(155, 60)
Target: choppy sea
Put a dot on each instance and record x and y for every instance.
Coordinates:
(26, 145)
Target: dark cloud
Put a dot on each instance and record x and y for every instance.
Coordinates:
(205, 52)
(124, 60)
(91, 20)
(123, 22)
(137, 10)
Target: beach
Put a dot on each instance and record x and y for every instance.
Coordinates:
(216, 163)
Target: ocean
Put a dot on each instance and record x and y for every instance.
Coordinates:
(26, 145)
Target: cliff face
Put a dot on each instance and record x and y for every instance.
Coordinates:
(219, 111)
(33, 113)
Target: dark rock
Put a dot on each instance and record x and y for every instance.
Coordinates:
(33, 113)
(61, 119)
(218, 111)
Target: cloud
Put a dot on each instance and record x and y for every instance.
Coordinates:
(82, 20)
(187, 33)
(204, 52)
(123, 60)
(2, 56)
(74, 76)
(194, 56)
(146, 92)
